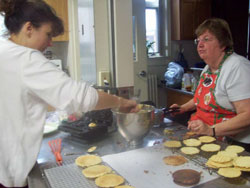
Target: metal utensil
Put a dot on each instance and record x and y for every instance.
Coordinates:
(170, 110)
(134, 126)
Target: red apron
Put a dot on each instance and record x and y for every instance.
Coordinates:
(207, 108)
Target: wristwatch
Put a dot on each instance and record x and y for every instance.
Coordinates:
(213, 127)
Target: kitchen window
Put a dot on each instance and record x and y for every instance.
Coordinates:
(3, 30)
(156, 30)
(152, 30)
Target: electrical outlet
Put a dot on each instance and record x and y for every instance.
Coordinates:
(104, 78)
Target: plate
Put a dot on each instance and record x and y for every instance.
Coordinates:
(52, 122)
(49, 128)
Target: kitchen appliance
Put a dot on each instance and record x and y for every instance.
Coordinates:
(82, 130)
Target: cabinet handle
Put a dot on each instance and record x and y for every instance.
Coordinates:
(82, 29)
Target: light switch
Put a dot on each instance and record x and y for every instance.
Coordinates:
(104, 78)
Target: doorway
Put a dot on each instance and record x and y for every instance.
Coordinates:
(140, 53)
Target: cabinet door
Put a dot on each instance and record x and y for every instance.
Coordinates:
(188, 19)
(61, 8)
(203, 10)
(177, 97)
(175, 19)
(186, 15)
(193, 13)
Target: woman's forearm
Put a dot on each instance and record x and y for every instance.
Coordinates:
(189, 106)
(107, 101)
(233, 126)
(229, 132)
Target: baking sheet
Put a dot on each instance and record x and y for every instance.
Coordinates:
(144, 168)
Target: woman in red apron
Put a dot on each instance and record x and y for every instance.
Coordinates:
(222, 98)
(207, 109)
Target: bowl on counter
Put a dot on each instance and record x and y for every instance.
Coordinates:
(134, 126)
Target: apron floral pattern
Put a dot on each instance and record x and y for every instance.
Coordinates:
(207, 108)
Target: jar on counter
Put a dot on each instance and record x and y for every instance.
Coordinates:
(187, 81)
(194, 83)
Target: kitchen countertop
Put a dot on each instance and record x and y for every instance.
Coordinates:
(111, 144)
(181, 91)
(177, 90)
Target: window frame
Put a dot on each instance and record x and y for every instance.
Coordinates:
(157, 26)
(163, 20)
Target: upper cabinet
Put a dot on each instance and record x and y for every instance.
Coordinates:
(61, 8)
(186, 15)
(237, 16)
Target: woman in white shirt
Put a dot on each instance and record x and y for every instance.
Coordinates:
(29, 82)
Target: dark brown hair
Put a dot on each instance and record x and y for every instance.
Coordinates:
(220, 29)
(18, 12)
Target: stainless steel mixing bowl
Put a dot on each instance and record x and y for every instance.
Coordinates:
(134, 126)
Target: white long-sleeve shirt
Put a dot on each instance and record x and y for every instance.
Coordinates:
(28, 82)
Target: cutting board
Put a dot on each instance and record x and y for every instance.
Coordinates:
(144, 168)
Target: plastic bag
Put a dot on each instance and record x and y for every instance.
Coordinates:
(173, 75)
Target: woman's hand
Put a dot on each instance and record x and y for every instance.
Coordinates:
(199, 127)
(188, 106)
(111, 101)
(181, 110)
(128, 106)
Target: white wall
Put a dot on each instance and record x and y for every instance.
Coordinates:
(158, 66)
(102, 38)
(123, 43)
(73, 60)
(190, 52)
(60, 51)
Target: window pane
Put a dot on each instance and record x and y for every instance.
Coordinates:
(152, 1)
(151, 30)
(3, 30)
